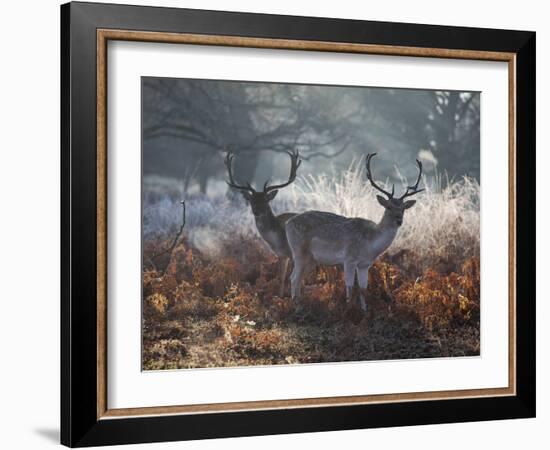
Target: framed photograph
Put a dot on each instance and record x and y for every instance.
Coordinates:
(276, 224)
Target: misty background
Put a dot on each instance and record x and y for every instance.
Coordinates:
(189, 125)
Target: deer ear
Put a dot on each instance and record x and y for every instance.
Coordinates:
(272, 195)
(408, 204)
(246, 195)
(382, 201)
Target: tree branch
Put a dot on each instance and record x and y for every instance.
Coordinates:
(171, 248)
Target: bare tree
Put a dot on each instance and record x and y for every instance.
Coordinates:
(199, 120)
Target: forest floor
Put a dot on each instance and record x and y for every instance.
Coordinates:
(224, 311)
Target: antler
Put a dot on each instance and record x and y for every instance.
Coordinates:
(295, 162)
(374, 185)
(228, 164)
(412, 190)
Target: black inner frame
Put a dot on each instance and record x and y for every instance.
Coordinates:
(79, 424)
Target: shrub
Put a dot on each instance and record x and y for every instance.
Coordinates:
(218, 302)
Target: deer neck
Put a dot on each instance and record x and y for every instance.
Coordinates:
(272, 232)
(386, 230)
(266, 221)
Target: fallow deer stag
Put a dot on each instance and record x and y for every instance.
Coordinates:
(317, 237)
(270, 226)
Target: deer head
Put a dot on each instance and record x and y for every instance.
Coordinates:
(395, 207)
(259, 200)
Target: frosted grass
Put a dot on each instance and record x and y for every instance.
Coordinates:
(444, 219)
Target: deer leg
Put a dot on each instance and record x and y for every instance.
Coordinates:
(283, 267)
(363, 280)
(302, 265)
(296, 278)
(349, 279)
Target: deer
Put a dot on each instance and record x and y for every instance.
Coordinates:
(317, 237)
(271, 227)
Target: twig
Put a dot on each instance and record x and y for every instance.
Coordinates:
(326, 155)
(174, 242)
